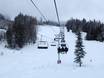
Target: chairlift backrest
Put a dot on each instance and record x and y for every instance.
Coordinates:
(63, 45)
(42, 44)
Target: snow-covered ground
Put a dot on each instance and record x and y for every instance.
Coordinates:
(31, 62)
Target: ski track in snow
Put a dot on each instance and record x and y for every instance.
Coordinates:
(31, 62)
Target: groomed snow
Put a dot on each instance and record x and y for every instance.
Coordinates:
(31, 62)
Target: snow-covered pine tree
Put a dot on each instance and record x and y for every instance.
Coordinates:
(79, 51)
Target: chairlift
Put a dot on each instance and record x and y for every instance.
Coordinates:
(53, 44)
(57, 37)
(42, 45)
(63, 49)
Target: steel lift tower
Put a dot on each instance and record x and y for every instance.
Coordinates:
(62, 47)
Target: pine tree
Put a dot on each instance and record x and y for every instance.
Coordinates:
(9, 38)
(79, 51)
(25, 29)
(19, 29)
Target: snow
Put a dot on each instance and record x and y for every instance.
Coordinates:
(31, 62)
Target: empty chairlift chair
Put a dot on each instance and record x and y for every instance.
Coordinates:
(53, 43)
(42, 45)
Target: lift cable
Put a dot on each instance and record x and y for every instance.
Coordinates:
(43, 15)
(38, 10)
(57, 12)
(61, 27)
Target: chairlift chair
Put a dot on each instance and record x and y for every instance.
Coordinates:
(42, 45)
(63, 49)
(53, 44)
(57, 37)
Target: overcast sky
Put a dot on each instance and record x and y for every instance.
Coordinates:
(89, 9)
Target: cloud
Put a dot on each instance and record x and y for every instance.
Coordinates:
(89, 9)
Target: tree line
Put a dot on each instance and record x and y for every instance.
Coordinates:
(94, 29)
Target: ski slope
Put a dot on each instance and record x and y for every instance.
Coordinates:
(31, 62)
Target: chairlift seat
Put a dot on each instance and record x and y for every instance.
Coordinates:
(42, 45)
(53, 44)
(63, 45)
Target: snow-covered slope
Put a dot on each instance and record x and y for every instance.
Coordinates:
(31, 62)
